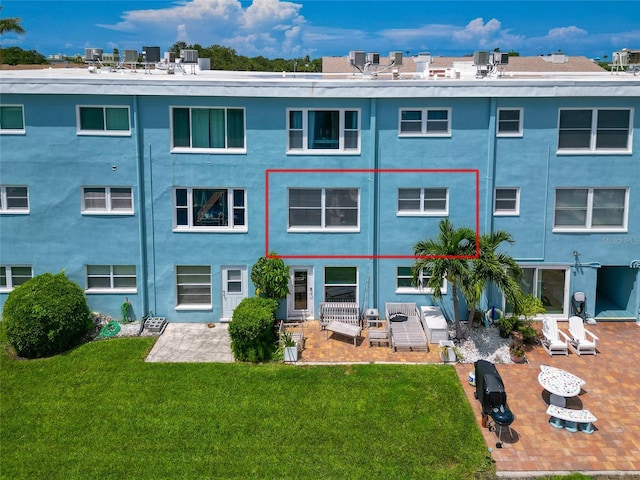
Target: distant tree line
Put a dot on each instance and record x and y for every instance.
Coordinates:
(18, 56)
(221, 58)
(225, 58)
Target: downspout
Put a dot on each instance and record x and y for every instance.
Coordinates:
(142, 283)
(490, 182)
(375, 210)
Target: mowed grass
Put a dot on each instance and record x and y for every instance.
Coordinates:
(100, 411)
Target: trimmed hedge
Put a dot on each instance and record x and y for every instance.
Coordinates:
(252, 330)
(45, 316)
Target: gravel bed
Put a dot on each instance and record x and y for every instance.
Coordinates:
(131, 329)
(483, 344)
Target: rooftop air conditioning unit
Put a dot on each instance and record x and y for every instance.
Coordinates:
(92, 54)
(357, 58)
(480, 57)
(169, 57)
(634, 57)
(500, 58)
(373, 58)
(395, 58)
(130, 56)
(151, 54)
(189, 56)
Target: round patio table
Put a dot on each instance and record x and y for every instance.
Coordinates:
(560, 384)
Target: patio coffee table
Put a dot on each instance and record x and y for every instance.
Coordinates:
(560, 384)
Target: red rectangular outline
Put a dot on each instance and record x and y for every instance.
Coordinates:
(376, 171)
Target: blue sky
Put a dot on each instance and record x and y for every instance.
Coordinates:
(290, 29)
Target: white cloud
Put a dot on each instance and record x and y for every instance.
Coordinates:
(477, 29)
(564, 33)
(264, 27)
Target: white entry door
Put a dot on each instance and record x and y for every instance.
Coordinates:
(234, 289)
(300, 298)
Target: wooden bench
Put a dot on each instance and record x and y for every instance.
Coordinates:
(571, 419)
(343, 312)
(346, 329)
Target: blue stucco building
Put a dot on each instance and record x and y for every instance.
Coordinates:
(165, 189)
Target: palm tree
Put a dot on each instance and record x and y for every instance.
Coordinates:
(9, 25)
(492, 267)
(445, 257)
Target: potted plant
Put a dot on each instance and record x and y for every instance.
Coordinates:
(516, 351)
(289, 347)
(447, 351)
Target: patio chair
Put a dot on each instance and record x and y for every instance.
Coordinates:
(582, 340)
(554, 341)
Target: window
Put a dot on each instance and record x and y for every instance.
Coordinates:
(549, 284)
(11, 119)
(14, 199)
(509, 122)
(210, 209)
(426, 121)
(107, 278)
(213, 130)
(332, 131)
(423, 201)
(324, 208)
(193, 287)
(506, 201)
(591, 209)
(404, 283)
(103, 121)
(107, 200)
(341, 284)
(12, 276)
(595, 130)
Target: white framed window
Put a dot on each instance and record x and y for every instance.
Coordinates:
(14, 199)
(12, 120)
(341, 284)
(208, 130)
(111, 279)
(404, 282)
(509, 122)
(506, 201)
(103, 120)
(597, 130)
(193, 287)
(425, 122)
(549, 283)
(210, 209)
(111, 200)
(423, 201)
(323, 131)
(324, 209)
(591, 209)
(12, 276)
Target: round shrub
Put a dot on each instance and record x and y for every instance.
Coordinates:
(252, 330)
(46, 315)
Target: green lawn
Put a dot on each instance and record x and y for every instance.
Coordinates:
(99, 411)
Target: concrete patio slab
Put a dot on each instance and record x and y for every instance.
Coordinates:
(193, 342)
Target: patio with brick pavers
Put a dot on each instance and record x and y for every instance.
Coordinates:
(532, 446)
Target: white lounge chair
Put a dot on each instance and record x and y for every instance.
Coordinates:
(555, 342)
(582, 340)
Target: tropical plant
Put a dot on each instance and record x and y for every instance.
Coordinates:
(445, 257)
(525, 309)
(45, 316)
(492, 267)
(270, 275)
(252, 332)
(11, 24)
